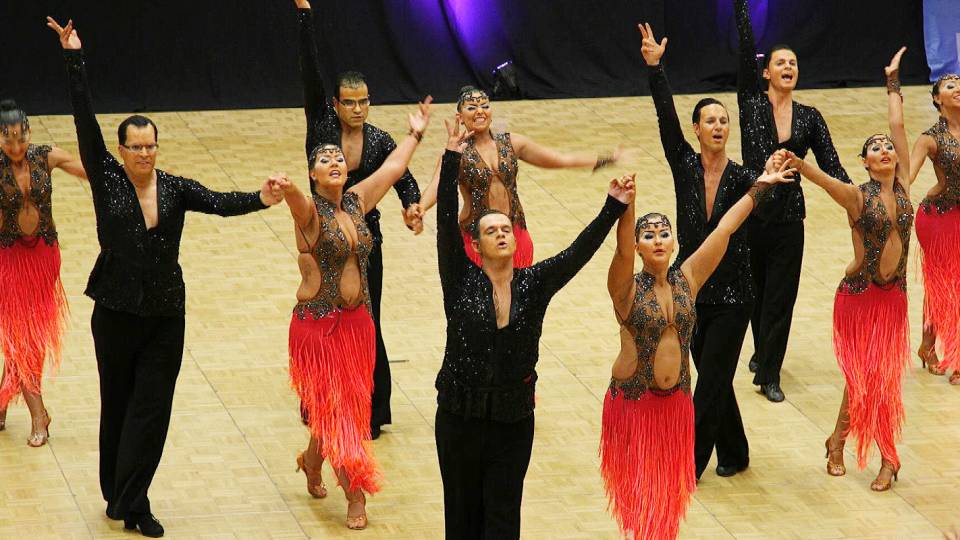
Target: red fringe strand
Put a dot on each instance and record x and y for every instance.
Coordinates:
(939, 236)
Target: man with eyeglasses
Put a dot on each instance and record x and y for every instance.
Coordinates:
(342, 121)
(137, 286)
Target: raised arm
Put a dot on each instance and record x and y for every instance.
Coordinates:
(375, 186)
(406, 187)
(59, 158)
(700, 265)
(675, 147)
(315, 104)
(301, 206)
(895, 116)
(451, 255)
(556, 271)
(620, 276)
(429, 197)
(198, 198)
(93, 150)
(923, 148)
(533, 153)
(748, 74)
(846, 195)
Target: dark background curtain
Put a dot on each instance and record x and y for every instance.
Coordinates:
(225, 54)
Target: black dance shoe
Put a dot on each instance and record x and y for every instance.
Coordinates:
(773, 392)
(730, 470)
(753, 365)
(148, 525)
(374, 432)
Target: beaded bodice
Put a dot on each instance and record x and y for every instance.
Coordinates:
(647, 323)
(947, 159)
(331, 252)
(12, 198)
(477, 176)
(874, 226)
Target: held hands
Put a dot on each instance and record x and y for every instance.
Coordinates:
(456, 141)
(650, 49)
(273, 188)
(893, 70)
(420, 119)
(69, 39)
(624, 189)
(782, 175)
(413, 217)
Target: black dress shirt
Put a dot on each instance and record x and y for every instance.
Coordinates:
(323, 126)
(759, 136)
(487, 372)
(732, 281)
(137, 270)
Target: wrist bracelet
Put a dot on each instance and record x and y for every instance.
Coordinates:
(417, 134)
(893, 86)
(603, 161)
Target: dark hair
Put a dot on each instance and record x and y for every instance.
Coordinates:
(315, 153)
(136, 121)
(350, 79)
(936, 86)
(703, 103)
(475, 227)
(778, 47)
(645, 220)
(11, 114)
(870, 139)
(467, 92)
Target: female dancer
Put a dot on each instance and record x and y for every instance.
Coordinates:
(488, 172)
(938, 230)
(647, 438)
(870, 326)
(332, 341)
(32, 304)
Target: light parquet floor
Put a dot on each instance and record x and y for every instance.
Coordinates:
(228, 468)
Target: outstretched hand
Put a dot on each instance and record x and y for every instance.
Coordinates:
(650, 49)
(273, 188)
(892, 71)
(69, 39)
(783, 175)
(623, 189)
(413, 217)
(456, 141)
(420, 119)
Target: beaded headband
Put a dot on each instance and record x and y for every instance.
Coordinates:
(24, 127)
(650, 220)
(473, 94)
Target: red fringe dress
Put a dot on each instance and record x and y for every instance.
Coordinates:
(871, 333)
(333, 351)
(33, 305)
(938, 231)
(477, 177)
(647, 434)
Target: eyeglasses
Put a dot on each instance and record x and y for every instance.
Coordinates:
(138, 148)
(351, 103)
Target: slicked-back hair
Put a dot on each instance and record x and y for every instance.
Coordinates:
(136, 121)
(475, 227)
(350, 79)
(703, 103)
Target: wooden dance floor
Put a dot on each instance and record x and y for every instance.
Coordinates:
(228, 468)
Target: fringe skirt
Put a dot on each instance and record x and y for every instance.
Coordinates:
(871, 338)
(522, 257)
(939, 236)
(331, 369)
(33, 310)
(647, 463)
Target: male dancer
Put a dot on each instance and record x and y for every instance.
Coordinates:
(770, 121)
(484, 422)
(707, 185)
(365, 147)
(137, 286)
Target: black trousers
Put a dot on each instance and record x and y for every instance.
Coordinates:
(138, 359)
(776, 254)
(482, 464)
(382, 386)
(717, 340)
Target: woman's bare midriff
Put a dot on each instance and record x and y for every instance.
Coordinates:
(351, 289)
(666, 360)
(498, 198)
(889, 256)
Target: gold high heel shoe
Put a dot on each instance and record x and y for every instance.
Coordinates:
(954, 379)
(38, 439)
(315, 486)
(884, 485)
(3, 419)
(357, 522)
(929, 360)
(833, 468)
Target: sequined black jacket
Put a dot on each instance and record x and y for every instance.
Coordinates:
(758, 131)
(137, 270)
(486, 372)
(323, 127)
(732, 281)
